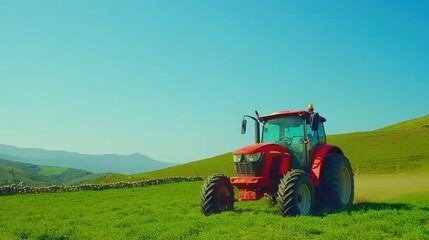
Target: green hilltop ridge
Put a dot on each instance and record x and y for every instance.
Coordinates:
(417, 123)
(375, 152)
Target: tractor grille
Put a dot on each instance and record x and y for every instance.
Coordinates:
(249, 168)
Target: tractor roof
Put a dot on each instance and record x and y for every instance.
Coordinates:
(288, 113)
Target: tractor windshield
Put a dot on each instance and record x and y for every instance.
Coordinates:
(287, 131)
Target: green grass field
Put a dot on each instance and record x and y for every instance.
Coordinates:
(172, 212)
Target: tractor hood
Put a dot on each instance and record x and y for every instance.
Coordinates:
(262, 147)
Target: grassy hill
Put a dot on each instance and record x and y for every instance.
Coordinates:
(417, 123)
(35, 175)
(221, 164)
(386, 152)
(403, 149)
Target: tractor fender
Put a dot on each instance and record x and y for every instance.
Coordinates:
(319, 157)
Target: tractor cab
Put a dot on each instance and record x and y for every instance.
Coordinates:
(299, 131)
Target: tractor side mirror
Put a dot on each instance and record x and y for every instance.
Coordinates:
(243, 126)
(314, 121)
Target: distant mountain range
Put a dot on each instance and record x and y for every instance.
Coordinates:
(114, 163)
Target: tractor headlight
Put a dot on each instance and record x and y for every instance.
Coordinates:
(237, 158)
(253, 157)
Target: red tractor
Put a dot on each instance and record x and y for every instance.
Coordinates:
(292, 165)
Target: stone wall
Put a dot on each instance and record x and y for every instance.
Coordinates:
(21, 188)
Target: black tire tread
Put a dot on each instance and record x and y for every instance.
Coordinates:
(208, 201)
(272, 199)
(287, 192)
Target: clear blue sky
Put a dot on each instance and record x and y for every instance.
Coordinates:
(172, 79)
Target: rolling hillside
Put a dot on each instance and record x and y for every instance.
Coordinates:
(417, 123)
(35, 175)
(221, 164)
(403, 150)
(386, 152)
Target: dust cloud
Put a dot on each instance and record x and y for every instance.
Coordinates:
(384, 187)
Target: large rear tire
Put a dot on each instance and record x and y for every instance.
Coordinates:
(296, 194)
(337, 182)
(217, 195)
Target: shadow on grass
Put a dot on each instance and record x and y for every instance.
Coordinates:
(357, 207)
(255, 211)
(367, 206)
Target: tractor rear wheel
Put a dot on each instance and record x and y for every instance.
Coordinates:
(337, 182)
(217, 195)
(296, 194)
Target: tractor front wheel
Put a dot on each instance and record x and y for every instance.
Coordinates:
(217, 195)
(272, 199)
(296, 194)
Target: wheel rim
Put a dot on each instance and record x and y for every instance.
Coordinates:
(304, 199)
(222, 198)
(345, 185)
